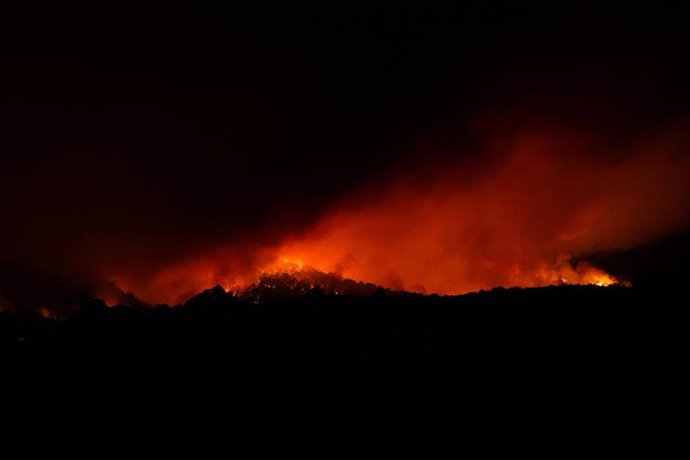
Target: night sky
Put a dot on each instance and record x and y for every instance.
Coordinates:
(167, 149)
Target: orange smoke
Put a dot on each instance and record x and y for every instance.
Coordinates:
(530, 219)
(520, 224)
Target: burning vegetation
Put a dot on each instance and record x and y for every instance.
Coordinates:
(529, 216)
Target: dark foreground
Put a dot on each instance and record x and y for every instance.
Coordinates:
(554, 368)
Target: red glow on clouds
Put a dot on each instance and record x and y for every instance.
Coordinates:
(529, 219)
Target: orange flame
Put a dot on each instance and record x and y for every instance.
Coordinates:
(528, 220)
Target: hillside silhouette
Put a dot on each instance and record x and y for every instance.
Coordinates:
(305, 361)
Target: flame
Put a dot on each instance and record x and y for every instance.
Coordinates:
(526, 224)
(528, 219)
(47, 312)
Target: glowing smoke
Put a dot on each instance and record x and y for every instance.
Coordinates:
(529, 219)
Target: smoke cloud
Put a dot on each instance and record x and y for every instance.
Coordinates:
(428, 146)
(529, 214)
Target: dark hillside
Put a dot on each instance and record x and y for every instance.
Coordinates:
(385, 363)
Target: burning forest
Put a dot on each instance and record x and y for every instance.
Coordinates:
(402, 157)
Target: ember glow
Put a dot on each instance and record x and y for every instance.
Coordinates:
(424, 146)
(529, 220)
(529, 223)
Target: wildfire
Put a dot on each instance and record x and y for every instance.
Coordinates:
(563, 272)
(529, 220)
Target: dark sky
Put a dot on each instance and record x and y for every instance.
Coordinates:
(147, 134)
